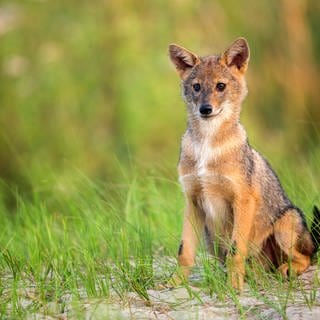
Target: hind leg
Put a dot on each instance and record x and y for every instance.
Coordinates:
(289, 231)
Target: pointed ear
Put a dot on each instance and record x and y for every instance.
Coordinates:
(183, 59)
(237, 55)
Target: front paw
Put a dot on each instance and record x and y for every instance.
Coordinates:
(236, 280)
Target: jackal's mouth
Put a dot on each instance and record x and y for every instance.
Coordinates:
(211, 115)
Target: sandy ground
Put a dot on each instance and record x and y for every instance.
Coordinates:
(177, 304)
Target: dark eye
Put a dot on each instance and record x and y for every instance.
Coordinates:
(220, 86)
(196, 87)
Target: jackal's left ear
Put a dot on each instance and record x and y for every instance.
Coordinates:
(183, 59)
(237, 55)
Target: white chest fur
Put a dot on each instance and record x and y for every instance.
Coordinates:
(203, 153)
(210, 200)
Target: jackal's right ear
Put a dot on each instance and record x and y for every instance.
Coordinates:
(237, 55)
(183, 59)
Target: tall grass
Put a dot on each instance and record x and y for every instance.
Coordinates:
(85, 239)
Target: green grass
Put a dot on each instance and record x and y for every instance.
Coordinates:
(89, 238)
(77, 240)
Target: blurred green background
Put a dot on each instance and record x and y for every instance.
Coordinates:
(88, 85)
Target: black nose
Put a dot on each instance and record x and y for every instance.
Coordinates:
(206, 109)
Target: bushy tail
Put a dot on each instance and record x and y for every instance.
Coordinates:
(315, 228)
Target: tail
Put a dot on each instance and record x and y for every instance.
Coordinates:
(315, 229)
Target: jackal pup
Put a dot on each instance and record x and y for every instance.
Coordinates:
(232, 194)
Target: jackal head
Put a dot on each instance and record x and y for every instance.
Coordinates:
(213, 87)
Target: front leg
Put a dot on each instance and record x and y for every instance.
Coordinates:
(243, 220)
(193, 226)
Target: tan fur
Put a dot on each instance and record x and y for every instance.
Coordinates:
(227, 184)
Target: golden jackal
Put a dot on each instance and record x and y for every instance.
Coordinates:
(232, 194)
